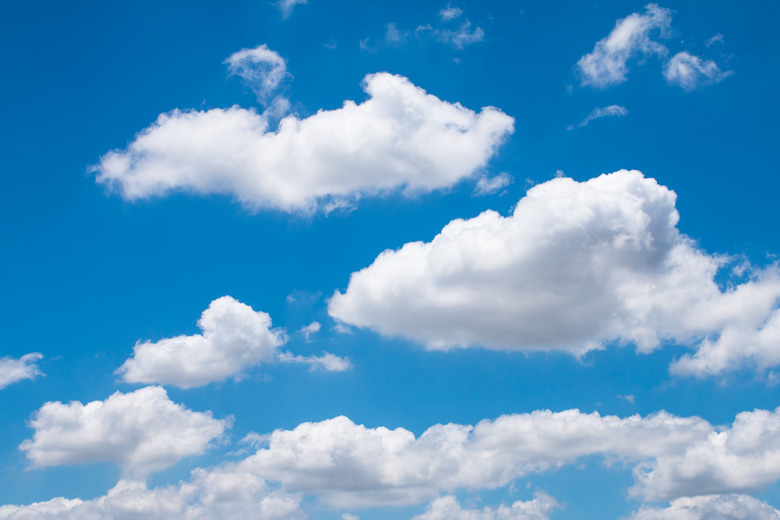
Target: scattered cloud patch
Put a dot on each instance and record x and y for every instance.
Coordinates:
(286, 7)
(718, 38)
(599, 112)
(488, 185)
(448, 508)
(400, 140)
(15, 370)
(607, 64)
(327, 362)
(310, 330)
(575, 266)
(627, 397)
(710, 507)
(143, 431)
(264, 71)
(234, 338)
(691, 72)
(450, 13)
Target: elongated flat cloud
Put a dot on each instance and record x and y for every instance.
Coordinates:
(575, 266)
(15, 370)
(448, 508)
(607, 64)
(712, 507)
(350, 465)
(143, 431)
(218, 494)
(599, 112)
(235, 338)
(401, 139)
(691, 72)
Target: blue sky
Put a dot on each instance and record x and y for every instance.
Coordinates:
(306, 260)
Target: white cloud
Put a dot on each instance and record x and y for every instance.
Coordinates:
(286, 6)
(263, 70)
(235, 338)
(599, 112)
(488, 185)
(741, 458)
(224, 493)
(352, 466)
(607, 64)
(450, 13)
(575, 266)
(712, 507)
(393, 36)
(691, 72)
(143, 431)
(462, 36)
(14, 370)
(401, 139)
(718, 38)
(448, 508)
(348, 516)
(327, 362)
(310, 330)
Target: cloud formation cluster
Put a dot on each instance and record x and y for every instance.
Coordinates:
(448, 508)
(576, 265)
(400, 139)
(633, 37)
(710, 507)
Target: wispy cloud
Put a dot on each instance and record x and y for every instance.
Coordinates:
(599, 112)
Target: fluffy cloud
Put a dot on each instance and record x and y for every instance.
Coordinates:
(234, 338)
(576, 265)
(448, 508)
(741, 458)
(607, 64)
(691, 72)
(599, 112)
(14, 370)
(353, 466)
(222, 494)
(712, 507)
(143, 431)
(400, 139)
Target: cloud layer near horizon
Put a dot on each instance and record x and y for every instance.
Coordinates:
(576, 265)
(400, 139)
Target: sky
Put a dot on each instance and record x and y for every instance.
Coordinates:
(361, 260)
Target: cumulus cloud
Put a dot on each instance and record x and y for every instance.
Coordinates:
(607, 64)
(400, 139)
(448, 508)
(691, 72)
(599, 112)
(488, 185)
(234, 338)
(712, 507)
(577, 265)
(143, 431)
(352, 466)
(224, 493)
(741, 458)
(263, 70)
(286, 7)
(14, 370)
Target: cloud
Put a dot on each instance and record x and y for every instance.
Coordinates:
(351, 466)
(327, 362)
(488, 185)
(234, 338)
(599, 112)
(400, 140)
(310, 330)
(14, 370)
(741, 458)
(143, 431)
(711, 507)
(263, 70)
(718, 38)
(286, 7)
(607, 64)
(448, 508)
(450, 13)
(459, 37)
(577, 265)
(691, 72)
(220, 494)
